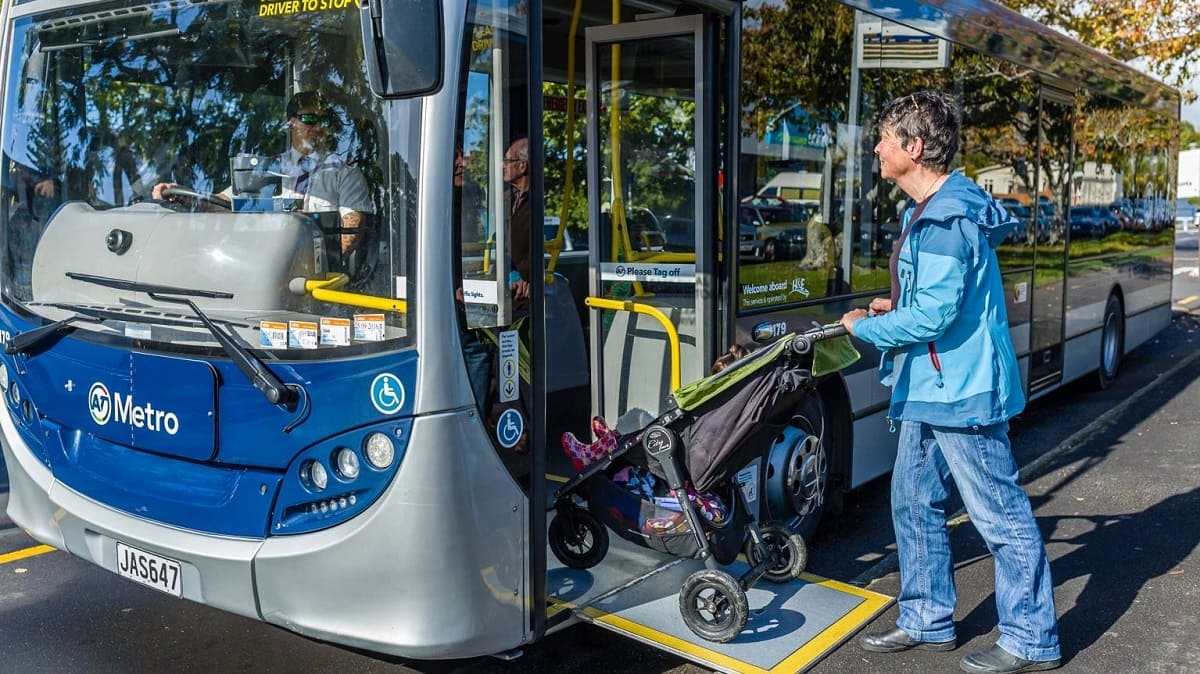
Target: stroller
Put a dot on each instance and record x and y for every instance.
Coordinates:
(716, 426)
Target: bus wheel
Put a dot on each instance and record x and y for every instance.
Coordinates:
(1112, 342)
(578, 539)
(797, 475)
(789, 554)
(713, 605)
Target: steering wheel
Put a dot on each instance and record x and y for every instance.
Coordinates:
(192, 199)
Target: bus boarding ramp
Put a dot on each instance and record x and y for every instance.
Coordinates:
(791, 626)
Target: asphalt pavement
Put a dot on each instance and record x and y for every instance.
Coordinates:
(1118, 504)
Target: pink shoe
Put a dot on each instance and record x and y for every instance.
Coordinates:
(582, 455)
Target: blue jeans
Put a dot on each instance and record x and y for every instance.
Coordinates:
(980, 462)
(478, 355)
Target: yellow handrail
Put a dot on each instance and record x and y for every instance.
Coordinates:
(639, 308)
(325, 290)
(554, 247)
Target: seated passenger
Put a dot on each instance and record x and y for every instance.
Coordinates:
(310, 170)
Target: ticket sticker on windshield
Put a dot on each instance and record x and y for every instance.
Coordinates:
(272, 335)
(368, 327)
(335, 331)
(302, 335)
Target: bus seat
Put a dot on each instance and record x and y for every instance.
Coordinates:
(566, 351)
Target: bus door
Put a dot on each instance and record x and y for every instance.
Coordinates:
(652, 197)
(1050, 210)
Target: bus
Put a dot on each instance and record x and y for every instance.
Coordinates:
(336, 407)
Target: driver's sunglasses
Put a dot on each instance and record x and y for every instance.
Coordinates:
(312, 118)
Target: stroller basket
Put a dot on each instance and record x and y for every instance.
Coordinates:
(626, 514)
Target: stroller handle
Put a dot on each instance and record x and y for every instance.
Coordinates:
(803, 342)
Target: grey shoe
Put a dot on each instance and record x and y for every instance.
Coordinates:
(896, 640)
(996, 660)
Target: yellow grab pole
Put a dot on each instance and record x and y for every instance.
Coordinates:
(326, 291)
(639, 308)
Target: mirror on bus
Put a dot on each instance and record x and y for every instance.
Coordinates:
(402, 41)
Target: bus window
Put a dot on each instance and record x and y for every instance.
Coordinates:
(793, 187)
(493, 175)
(279, 177)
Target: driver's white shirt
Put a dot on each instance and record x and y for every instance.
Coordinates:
(331, 184)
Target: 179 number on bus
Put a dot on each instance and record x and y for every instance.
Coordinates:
(157, 572)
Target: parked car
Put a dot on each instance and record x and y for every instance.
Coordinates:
(1024, 217)
(750, 247)
(768, 223)
(679, 234)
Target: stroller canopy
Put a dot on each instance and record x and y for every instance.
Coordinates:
(735, 414)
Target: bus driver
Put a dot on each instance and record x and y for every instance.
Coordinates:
(323, 180)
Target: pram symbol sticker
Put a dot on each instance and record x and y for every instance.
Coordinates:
(509, 428)
(387, 393)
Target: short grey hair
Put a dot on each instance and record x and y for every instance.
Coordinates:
(933, 116)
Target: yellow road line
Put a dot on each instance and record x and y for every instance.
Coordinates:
(27, 552)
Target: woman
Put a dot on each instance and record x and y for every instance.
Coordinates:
(950, 362)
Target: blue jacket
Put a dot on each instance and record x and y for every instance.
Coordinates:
(951, 296)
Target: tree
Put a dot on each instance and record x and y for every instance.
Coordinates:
(1165, 33)
(1188, 136)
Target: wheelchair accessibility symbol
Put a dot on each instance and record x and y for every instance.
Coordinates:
(387, 393)
(509, 427)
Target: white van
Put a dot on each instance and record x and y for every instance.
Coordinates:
(798, 187)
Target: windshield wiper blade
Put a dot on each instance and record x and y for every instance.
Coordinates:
(27, 340)
(263, 379)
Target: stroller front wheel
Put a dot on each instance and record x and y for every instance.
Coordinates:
(789, 554)
(713, 605)
(577, 538)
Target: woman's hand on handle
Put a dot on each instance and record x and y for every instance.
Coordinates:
(851, 317)
(880, 305)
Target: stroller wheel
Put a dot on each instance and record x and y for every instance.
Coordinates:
(578, 539)
(788, 552)
(713, 605)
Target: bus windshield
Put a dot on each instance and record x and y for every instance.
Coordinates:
(234, 155)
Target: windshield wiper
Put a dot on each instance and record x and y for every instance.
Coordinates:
(266, 381)
(27, 340)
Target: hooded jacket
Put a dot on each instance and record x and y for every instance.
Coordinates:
(951, 296)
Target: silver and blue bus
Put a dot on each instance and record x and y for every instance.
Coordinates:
(330, 397)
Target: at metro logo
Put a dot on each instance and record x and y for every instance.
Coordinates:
(120, 408)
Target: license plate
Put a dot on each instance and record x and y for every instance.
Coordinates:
(157, 572)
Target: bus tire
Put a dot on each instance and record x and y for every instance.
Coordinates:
(578, 539)
(713, 605)
(796, 483)
(1112, 342)
(787, 549)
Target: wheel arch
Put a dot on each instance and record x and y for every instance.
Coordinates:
(839, 430)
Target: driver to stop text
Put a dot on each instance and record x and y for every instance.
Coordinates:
(311, 172)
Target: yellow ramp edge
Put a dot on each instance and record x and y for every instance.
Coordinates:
(808, 654)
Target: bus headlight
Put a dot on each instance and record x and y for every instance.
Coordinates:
(347, 463)
(313, 474)
(379, 450)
